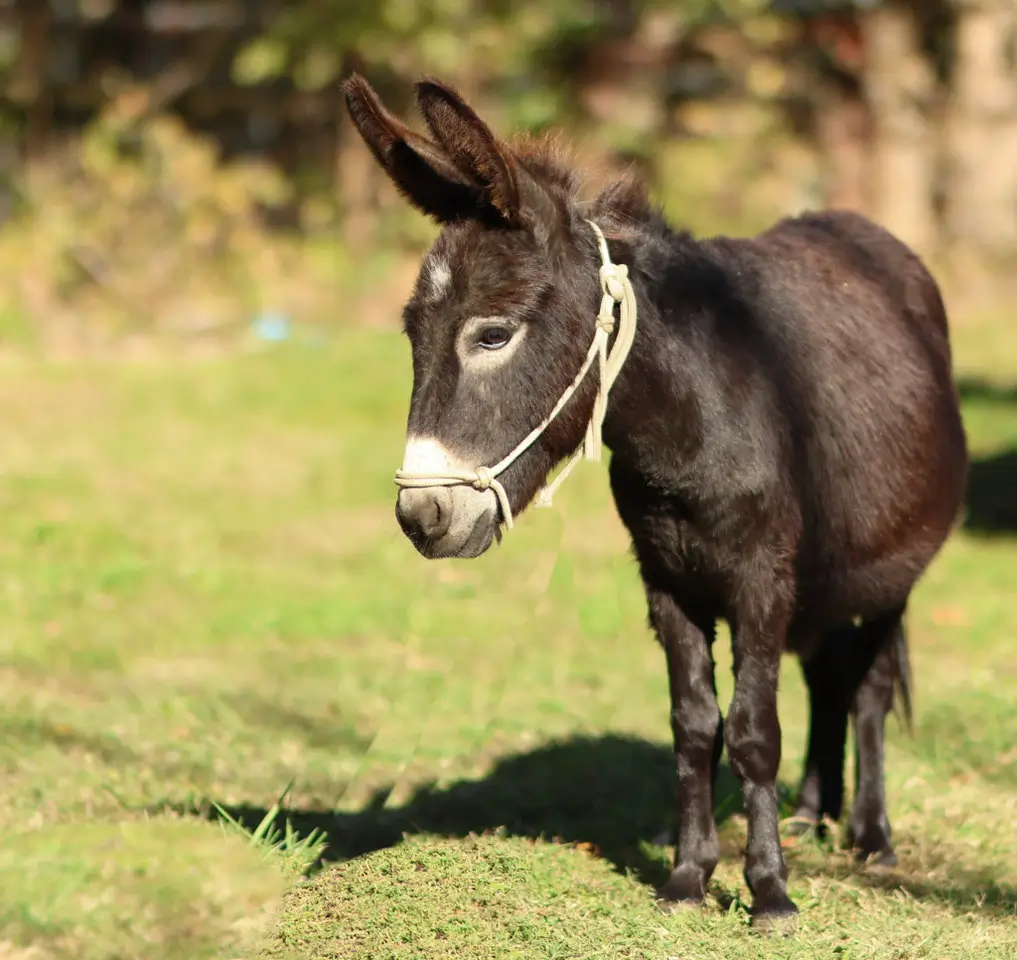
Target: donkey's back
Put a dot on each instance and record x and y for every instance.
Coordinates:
(857, 353)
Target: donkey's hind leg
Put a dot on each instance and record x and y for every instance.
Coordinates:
(821, 793)
(852, 672)
(869, 826)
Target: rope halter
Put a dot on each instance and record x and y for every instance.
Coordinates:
(616, 288)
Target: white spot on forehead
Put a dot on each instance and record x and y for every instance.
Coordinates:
(439, 278)
(427, 455)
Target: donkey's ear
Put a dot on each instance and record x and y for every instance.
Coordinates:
(422, 171)
(471, 145)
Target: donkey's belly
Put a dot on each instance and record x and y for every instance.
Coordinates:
(828, 598)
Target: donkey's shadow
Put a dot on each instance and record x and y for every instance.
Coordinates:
(615, 793)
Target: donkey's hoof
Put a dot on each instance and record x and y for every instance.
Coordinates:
(774, 914)
(775, 924)
(872, 846)
(882, 859)
(673, 907)
(682, 889)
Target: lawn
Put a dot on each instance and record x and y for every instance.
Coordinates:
(208, 607)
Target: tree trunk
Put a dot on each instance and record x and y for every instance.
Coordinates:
(840, 112)
(981, 201)
(29, 85)
(842, 131)
(900, 85)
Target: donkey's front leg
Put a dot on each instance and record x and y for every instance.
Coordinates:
(698, 740)
(753, 745)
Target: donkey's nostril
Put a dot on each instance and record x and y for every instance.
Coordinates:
(424, 514)
(429, 517)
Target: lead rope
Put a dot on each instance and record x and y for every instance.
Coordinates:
(617, 289)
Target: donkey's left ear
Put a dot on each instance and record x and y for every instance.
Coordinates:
(471, 146)
(421, 170)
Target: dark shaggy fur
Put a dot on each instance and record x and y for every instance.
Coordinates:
(788, 453)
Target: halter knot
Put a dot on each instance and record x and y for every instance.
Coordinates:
(483, 478)
(612, 277)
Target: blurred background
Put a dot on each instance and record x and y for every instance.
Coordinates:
(212, 627)
(185, 167)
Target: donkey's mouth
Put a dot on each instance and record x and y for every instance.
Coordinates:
(481, 537)
(477, 543)
(462, 541)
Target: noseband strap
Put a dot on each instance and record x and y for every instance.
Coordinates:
(616, 289)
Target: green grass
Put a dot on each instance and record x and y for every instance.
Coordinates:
(207, 603)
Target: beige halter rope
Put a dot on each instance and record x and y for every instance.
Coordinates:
(614, 281)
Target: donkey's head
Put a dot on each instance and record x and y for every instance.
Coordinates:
(500, 320)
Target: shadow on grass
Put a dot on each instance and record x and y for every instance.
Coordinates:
(963, 890)
(614, 793)
(966, 891)
(992, 494)
(991, 500)
(975, 389)
(31, 732)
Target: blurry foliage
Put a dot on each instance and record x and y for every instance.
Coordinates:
(137, 227)
(532, 50)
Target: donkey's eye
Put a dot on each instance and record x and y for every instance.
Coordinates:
(494, 338)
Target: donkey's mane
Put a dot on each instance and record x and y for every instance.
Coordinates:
(549, 158)
(624, 202)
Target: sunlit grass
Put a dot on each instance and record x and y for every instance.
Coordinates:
(206, 599)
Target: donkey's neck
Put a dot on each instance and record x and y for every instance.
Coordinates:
(654, 414)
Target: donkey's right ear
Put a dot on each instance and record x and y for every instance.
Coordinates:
(421, 171)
